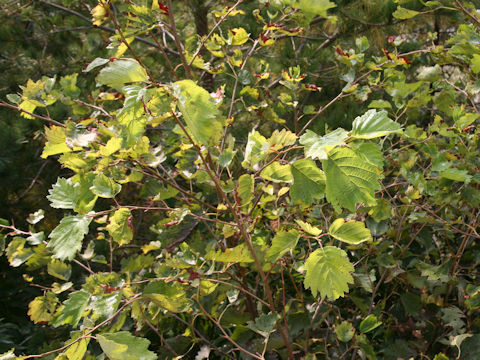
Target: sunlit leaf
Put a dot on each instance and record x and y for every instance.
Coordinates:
(317, 147)
(124, 346)
(373, 124)
(42, 308)
(199, 112)
(72, 309)
(349, 179)
(328, 272)
(351, 232)
(122, 71)
(66, 238)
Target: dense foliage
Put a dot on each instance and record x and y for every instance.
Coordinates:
(254, 179)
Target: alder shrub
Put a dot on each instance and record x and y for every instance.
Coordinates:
(210, 211)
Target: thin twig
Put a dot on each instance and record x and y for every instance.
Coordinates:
(204, 39)
(102, 27)
(44, 118)
(177, 40)
(466, 12)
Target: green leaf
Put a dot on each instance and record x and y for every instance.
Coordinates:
(72, 310)
(317, 147)
(314, 8)
(277, 173)
(238, 253)
(351, 232)
(456, 175)
(349, 179)
(59, 269)
(170, 296)
(62, 195)
(246, 184)
(265, 324)
(105, 187)
(85, 197)
(282, 242)
(403, 14)
(119, 227)
(120, 72)
(470, 348)
(199, 112)
(312, 230)
(369, 152)
(124, 346)
(95, 63)
(373, 124)
(345, 331)
(380, 104)
(42, 308)
(66, 238)
(308, 181)
(328, 272)
(369, 323)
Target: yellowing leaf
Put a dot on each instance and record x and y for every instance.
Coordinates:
(239, 253)
(351, 232)
(312, 230)
(277, 172)
(55, 141)
(328, 272)
(59, 269)
(170, 296)
(120, 228)
(238, 36)
(124, 346)
(112, 146)
(42, 308)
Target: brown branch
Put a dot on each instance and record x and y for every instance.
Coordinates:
(44, 118)
(466, 12)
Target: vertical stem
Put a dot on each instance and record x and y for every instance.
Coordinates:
(243, 231)
(177, 40)
(120, 32)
